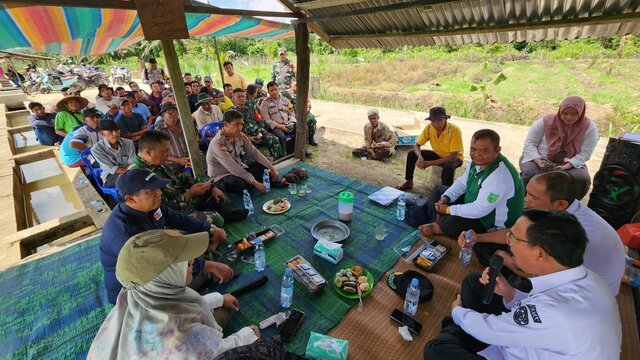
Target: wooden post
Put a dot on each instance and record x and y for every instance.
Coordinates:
(302, 88)
(188, 130)
(215, 48)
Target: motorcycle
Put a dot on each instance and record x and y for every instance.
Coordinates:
(33, 83)
(120, 75)
(55, 81)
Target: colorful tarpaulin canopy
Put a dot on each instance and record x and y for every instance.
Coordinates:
(91, 31)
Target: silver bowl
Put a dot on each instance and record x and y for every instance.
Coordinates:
(330, 230)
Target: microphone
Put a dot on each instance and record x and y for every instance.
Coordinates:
(495, 265)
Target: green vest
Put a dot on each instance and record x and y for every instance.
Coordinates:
(515, 204)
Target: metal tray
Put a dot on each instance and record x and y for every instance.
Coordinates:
(330, 230)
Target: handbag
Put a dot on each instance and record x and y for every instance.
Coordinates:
(421, 212)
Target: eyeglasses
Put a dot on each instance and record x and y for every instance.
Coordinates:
(511, 237)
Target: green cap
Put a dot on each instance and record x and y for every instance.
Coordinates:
(146, 255)
(345, 197)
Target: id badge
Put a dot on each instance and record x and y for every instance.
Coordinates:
(157, 215)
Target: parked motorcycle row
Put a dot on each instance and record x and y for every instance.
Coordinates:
(80, 76)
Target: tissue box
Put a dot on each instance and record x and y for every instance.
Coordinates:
(323, 347)
(329, 251)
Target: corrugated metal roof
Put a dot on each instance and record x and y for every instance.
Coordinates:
(474, 21)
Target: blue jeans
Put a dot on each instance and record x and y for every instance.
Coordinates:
(47, 136)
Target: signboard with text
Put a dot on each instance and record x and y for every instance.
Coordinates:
(162, 19)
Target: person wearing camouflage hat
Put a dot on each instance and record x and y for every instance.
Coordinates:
(284, 73)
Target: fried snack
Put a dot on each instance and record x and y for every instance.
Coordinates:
(357, 271)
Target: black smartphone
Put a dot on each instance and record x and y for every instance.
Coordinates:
(291, 325)
(403, 319)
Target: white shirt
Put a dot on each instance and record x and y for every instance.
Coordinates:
(569, 314)
(535, 145)
(499, 182)
(103, 105)
(604, 254)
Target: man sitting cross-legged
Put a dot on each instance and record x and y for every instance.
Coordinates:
(569, 314)
(226, 161)
(556, 190)
(446, 142)
(380, 141)
(140, 210)
(488, 196)
(183, 192)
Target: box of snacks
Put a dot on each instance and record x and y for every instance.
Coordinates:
(267, 234)
(431, 255)
(306, 274)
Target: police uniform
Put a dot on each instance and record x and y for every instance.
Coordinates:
(226, 162)
(569, 314)
(252, 127)
(278, 112)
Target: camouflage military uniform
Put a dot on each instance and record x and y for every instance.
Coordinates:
(252, 127)
(172, 194)
(283, 73)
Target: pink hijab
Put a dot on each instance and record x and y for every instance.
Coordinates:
(563, 138)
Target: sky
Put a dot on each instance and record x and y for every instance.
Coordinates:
(265, 5)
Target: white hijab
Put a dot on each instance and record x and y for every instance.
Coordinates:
(162, 319)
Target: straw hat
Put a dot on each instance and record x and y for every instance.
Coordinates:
(62, 104)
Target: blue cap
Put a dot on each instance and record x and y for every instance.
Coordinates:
(287, 271)
(132, 181)
(259, 240)
(207, 78)
(414, 282)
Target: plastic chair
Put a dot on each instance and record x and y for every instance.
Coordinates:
(88, 160)
(211, 128)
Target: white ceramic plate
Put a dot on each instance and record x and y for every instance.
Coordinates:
(266, 205)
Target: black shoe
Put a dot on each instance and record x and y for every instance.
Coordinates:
(312, 142)
(308, 154)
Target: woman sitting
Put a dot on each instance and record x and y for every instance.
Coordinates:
(157, 316)
(563, 141)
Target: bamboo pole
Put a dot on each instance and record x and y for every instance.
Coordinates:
(217, 51)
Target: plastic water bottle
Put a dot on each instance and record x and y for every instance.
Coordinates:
(402, 207)
(412, 298)
(259, 256)
(248, 204)
(466, 251)
(266, 180)
(286, 291)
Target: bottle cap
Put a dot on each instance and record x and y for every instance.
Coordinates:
(287, 271)
(345, 197)
(259, 240)
(245, 191)
(414, 282)
(468, 235)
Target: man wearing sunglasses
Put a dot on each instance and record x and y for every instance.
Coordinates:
(556, 191)
(570, 313)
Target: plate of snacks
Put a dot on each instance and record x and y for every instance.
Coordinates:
(276, 206)
(346, 280)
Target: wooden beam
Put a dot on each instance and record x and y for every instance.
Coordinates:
(313, 27)
(217, 52)
(372, 10)
(319, 4)
(49, 231)
(186, 122)
(33, 156)
(129, 5)
(302, 88)
(536, 25)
